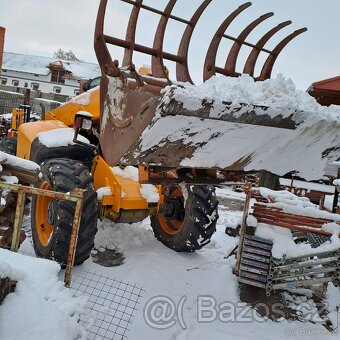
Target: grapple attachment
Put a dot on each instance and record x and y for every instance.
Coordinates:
(141, 123)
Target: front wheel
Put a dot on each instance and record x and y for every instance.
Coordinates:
(52, 220)
(187, 217)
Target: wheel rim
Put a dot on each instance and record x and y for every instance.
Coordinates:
(173, 225)
(43, 228)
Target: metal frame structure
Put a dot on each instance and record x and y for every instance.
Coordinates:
(76, 196)
(255, 265)
(158, 55)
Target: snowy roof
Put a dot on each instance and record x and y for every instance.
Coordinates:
(39, 65)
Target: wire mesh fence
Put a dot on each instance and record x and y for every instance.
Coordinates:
(111, 305)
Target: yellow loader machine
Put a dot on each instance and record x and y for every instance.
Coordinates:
(135, 122)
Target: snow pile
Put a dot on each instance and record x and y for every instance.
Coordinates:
(308, 186)
(17, 162)
(283, 243)
(129, 172)
(59, 137)
(149, 193)
(123, 236)
(104, 191)
(5, 270)
(82, 99)
(41, 307)
(277, 93)
(233, 142)
(328, 204)
(331, 227)
(10, 179)
(293, 204)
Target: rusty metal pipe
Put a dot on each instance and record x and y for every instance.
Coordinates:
(142, 49)
(154, 10)
(74, 237)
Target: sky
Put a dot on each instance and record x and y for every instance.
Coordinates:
(41, 27)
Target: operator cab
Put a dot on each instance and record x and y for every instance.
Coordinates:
(91, 83)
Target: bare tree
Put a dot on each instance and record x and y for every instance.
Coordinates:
(61, 54)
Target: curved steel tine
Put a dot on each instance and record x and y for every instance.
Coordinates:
(249, 67)
(182, 70)
(268, 65)
(230, 64)
(210, 60)
(102, 52)
(157, 64)
(131, 34)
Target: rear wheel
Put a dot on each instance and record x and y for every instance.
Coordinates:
(187, 217)
(52, 219)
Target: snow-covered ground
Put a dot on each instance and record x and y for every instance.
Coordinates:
(186, 295)
(41, 307)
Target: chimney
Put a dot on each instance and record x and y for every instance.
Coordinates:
(2, 43)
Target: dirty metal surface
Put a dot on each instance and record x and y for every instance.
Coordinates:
(193, 142)
(125, 114)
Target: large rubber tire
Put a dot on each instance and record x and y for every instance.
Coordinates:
(51, 237)
(8, 145)
(269, 180)
(194, 229)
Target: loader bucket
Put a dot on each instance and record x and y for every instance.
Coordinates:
(144, 123)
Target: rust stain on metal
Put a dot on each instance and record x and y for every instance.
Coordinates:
(158, 55)
(249, 67)
(74, 236)
(268, 65)
(230, 64)
(165, 154)
(136, 109)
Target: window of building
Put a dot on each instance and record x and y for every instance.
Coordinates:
(35, 86)
(57, 76)
(3, 81)
(15, 82)
(57, 89)
(26, 85)
(76, 92)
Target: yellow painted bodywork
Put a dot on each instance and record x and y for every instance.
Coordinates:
(66, 112)
(125, 192)
(126, 196)
(27, 132)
